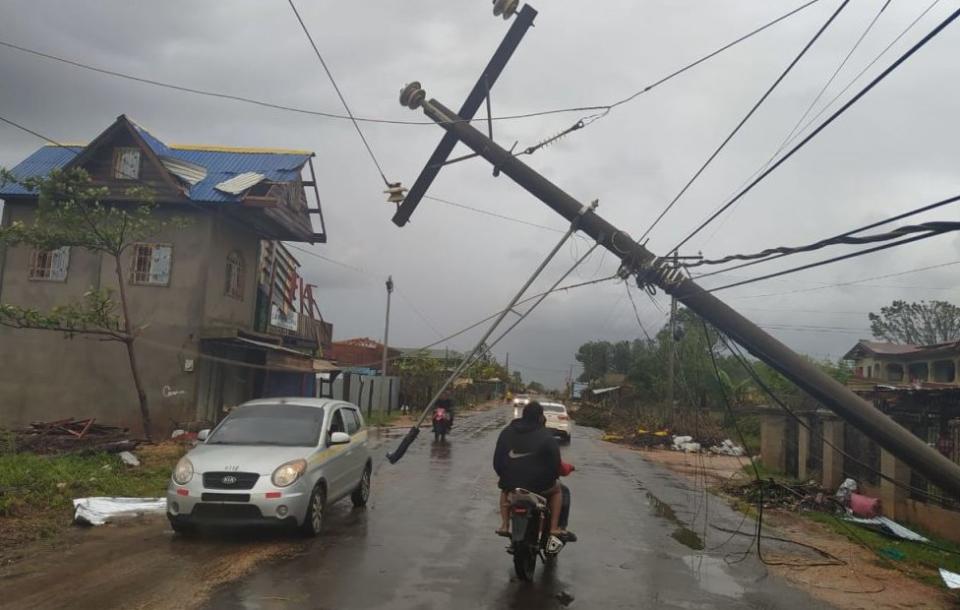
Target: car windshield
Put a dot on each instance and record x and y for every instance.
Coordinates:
(554, 408)
(286, 425)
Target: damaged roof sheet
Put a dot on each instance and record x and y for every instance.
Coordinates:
(240, 183)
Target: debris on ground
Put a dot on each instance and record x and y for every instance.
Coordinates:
(72, 435)
(864, 506)
(728, 447)
(686, 444)
(951, 579)
(129, 459)
(99, 510)
(888, 527)
(789, 496)
(846, 489)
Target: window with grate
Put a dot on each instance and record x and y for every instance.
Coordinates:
(126, 163)
(50, 265)
(151, 264)
(235, 275)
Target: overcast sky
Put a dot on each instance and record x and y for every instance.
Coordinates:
(895, 150)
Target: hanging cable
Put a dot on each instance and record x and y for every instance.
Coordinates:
(332, 115)
(929, 228)
(828, 261)
(744, 120)
(872, 225)
(636, 312)
(540, 298)
(336, 88)
(807, 112)
(415, 429)
(823, 125)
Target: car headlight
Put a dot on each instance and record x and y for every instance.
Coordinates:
(183, 472)
(287, 474)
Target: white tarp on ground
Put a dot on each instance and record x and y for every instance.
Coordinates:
(950, 579)
(97, 511)
(890, 526)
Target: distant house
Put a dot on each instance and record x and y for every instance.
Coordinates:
(227, 317)
(905, 364)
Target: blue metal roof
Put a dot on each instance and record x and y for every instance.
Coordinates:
(220, 164)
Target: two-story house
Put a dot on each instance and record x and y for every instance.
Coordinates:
(224, 315)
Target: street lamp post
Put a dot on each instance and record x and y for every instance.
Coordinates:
(386, 327)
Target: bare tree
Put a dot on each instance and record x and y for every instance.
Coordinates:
(923, 323)
(72, 212)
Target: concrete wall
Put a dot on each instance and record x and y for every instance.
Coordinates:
(44, 376)
(893, 489)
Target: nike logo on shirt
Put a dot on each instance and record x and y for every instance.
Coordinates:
(516, 455)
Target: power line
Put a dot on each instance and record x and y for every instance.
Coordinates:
(850, 283)
(493, 214)
(636, 312)
(361, 119)
(810, 107)
(823, 125)
(828, 261)
(872, 225)
(744, 120)
(933, 228)
(336, 88)
(419, 313)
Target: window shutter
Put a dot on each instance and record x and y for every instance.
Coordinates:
(60, 263)
(160, 265)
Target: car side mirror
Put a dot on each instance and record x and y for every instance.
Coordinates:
(339, 438)
(203, 434)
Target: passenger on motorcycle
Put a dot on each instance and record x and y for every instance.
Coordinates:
(528, 456)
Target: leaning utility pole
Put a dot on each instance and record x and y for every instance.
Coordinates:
(386, 327)
(650, 270)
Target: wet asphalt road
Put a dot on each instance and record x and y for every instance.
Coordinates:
(426, 541)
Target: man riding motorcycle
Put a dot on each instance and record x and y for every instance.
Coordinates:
(528, 456)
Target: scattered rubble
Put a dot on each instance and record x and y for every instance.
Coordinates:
(72, 435)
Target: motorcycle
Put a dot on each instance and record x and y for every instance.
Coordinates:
(441, 424)
(530, 532)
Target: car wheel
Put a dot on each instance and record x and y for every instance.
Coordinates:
(313, 520)
(361, 494)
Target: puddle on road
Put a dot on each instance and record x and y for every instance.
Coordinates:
(682, 534)
(712, 575)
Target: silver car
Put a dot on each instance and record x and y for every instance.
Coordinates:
(277, 461)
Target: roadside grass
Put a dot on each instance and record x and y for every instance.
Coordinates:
(36, 491)
(919, 560)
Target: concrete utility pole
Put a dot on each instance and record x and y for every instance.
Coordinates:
(672, 352)
(648, 269)
(386, 327)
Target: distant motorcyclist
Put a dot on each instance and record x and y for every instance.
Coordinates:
(528, 456)
(445, 402)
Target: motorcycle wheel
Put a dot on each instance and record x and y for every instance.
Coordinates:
(525, 562)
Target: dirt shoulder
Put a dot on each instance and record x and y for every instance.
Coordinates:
(136, 564)
(864, 582)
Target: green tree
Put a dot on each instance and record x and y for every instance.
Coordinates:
(536, 387)
(73, 212)
(595, 357)
(923, 323)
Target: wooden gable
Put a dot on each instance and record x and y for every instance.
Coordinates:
(119, 159)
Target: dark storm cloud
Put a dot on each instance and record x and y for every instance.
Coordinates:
(894, 151)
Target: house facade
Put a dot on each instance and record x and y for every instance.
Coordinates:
(905, 364)
(223, 314)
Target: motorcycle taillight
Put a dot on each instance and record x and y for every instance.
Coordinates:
(520, 510)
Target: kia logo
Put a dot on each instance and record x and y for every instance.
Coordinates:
(229, 480)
